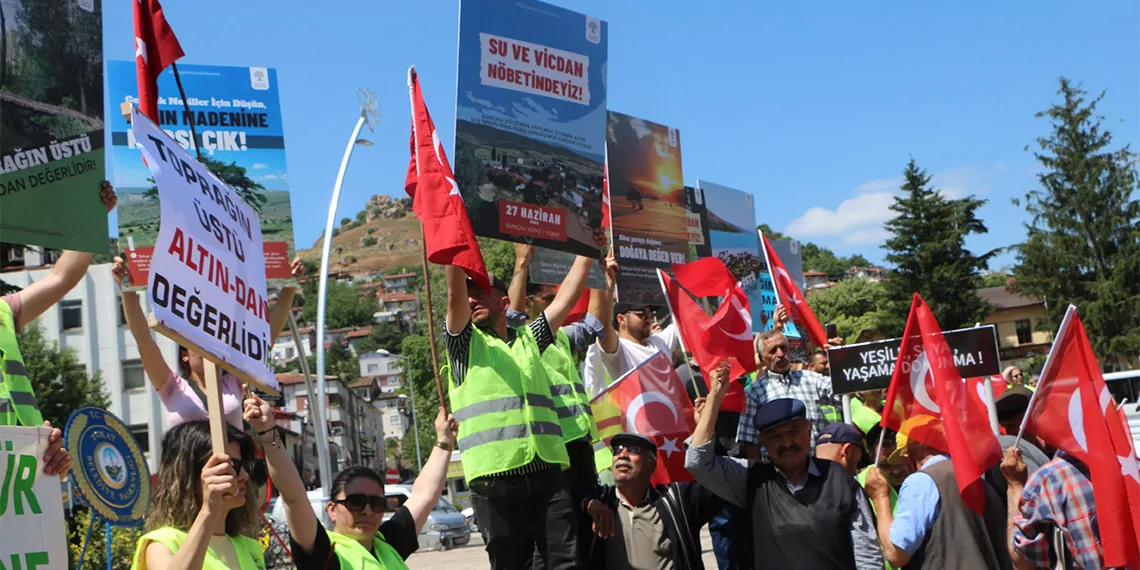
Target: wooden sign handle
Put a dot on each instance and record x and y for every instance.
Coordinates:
(214, 408)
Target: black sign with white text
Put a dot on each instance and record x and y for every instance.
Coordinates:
(868, 366)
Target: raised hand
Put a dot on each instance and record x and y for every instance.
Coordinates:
(257, 412)
(446, 427)
(219, 482)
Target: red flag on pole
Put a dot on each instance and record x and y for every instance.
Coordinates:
(650, 400)
(926, 383)
(436, 200)
(792, 299)
(156, 47)
(1073, 411)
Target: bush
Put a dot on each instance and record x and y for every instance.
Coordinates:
(368, 241)
(345, 221)
(371, 231)
(123, 541)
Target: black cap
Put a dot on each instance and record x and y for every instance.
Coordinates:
(840, 433)
(779, 412)
(630, 437)
(496, 283)
(1012, 403)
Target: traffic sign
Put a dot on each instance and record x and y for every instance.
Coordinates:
(392, 476)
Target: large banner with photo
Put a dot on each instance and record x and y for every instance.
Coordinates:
(51, 124)
(237, 114)
(732, 233)
(530, 127)
(647, 205)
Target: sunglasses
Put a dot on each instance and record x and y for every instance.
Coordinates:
(633, 448)
(643, 313)
(357, 501)
(1017, 376)
(255, 468)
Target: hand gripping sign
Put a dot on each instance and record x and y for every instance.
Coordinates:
(207, 276)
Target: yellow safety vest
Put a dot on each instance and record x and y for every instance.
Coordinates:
(567, 389)
(17, 399)
(353, 555)
(248, 550)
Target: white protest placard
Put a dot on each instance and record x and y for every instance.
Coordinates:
(32, 529)
(207, 274)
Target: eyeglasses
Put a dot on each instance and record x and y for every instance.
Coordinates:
(255, 468)
(1017, 376)
(357, 501)
(632, 448)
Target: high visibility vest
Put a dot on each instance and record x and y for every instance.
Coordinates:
(566, 389)
(248, 550)
(505, 412)
(863, 416)
(17, 399)
(353, 555)
(603, 456)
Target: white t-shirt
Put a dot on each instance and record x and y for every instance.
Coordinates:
(601, 368)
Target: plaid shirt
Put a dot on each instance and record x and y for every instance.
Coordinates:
(803, 385)
(1058, 494)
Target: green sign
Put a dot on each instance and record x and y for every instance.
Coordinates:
(51, 124)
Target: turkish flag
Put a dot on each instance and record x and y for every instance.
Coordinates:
(650, 400)
(156, 47)
(792, 299)
(448, 236)
(1073, 411)
(926, 385)
(580, 308)
(977, 387)
(712, 341)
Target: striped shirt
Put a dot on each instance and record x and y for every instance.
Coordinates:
(459, 350)
(814, 390)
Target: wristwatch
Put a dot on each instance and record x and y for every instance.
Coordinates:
(443, 445)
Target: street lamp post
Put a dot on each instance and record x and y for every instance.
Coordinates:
(412, 391)
(368, 116)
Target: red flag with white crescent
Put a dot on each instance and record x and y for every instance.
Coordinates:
(156, 47)
(792, 298)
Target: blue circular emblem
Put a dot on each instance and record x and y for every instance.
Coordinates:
(107, 466)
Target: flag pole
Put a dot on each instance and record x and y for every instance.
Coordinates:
(680, 337)
(879, 449)
(1049, 363)
(431, 318)
(189, 115)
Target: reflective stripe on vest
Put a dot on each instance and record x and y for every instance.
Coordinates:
(505, 411)
(18, 404)
(558, 362)
(603, 456)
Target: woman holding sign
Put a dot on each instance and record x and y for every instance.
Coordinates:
(183, 393)
(203, 513)
(18, 405)
(357, 505)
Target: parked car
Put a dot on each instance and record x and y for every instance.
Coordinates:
(469, 516)
(317, 499)
(446, 526)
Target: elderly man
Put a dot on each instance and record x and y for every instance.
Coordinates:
(802, 512)
(780, 381)
(931, 526)
(841, 443)
(654, 527)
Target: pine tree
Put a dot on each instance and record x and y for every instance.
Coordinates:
(928, 251)
(1083, 243)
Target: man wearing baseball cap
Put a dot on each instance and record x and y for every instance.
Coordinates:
(638, 525)
(931, 526)
(841, 443)
(802, 512)
(510, 437)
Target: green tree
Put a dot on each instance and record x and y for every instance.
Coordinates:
(339, 362)
(346, 307)
(387, 336)
(233, 175)
(995, 279)
(61, 382)
(1083, 243)
(392, 451)
(927, 247)
(499, 256)
(345, 221)
(854, 305)
(418, 376)
(771, 233)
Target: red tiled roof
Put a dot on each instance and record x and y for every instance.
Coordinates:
(397, 297)
(290, 378)
(400, 276)
(813, 273)
(360, 333)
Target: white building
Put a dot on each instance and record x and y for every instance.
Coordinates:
(89, 320)
(385, 368)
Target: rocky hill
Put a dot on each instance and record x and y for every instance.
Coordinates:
(383, 236)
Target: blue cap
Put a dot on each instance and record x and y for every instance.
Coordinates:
(840, 433)
(778, 412)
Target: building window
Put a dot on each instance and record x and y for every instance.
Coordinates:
(373, 368)
(393, 366)
(71, 314)
(289, 353)
(393, 381)
(1024, 332)
(122, 314)
(395, 420)
(134, 376)
(142, 437)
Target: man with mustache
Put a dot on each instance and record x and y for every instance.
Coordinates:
(780, 381)
(510, 437)
(640, 526)
(801, 511)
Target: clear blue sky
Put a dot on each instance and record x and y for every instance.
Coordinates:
(815, 108)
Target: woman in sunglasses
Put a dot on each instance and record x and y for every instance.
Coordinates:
(357, 504)
(203, 513)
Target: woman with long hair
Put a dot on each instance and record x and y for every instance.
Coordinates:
(203, 513)
(357, 504)
(183, 392)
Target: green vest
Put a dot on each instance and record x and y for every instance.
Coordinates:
(248, 550)
(17, 399)
(353, 555)
(863, 416)
(862, 479)
(603, 456)
(505, 413)
(566, 389)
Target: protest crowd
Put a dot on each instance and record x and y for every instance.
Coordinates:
(597, 427)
